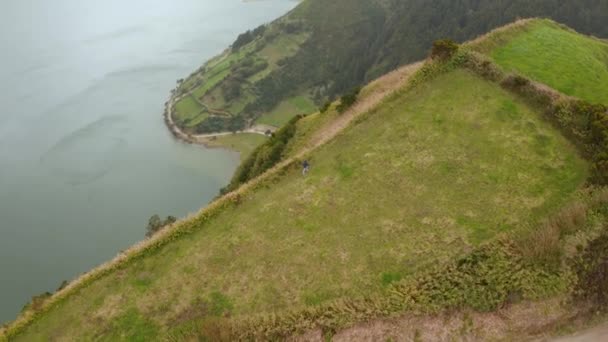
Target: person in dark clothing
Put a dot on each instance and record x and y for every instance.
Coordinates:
(305, 167)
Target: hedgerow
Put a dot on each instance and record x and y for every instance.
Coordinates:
(591, 269)
(264, 157)
(583, 123)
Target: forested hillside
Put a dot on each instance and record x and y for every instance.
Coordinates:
(324, 48)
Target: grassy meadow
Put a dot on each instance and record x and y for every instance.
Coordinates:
(286, 110)
(547, 52)
(244, 143)
(426, 177)
(188, 112)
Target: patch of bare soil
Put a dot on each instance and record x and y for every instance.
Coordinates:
(521, 322)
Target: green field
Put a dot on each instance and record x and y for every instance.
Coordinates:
(188, 112)
(244, 143)
(431, 173)
(206, 84)
(574, 64)
(287, 110)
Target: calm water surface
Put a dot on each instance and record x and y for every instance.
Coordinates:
(85, 158)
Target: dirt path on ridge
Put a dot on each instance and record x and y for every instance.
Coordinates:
(599, 333)
(381, 88)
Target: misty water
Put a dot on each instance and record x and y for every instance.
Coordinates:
(85, 158)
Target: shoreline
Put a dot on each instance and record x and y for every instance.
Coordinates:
(203, 139)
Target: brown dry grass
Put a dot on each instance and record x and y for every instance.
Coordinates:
(515, 323)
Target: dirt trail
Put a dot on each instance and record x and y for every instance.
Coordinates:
(592, 335)
(381, 88)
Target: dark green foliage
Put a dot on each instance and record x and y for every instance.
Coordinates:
(155, 224)
(63, 285)
(592, 273)
(354, 41)
(247, 37)
(347, 100)
(444, 49)
(264, 157)
(242, 40)
(221, 124)
(516, 82)
(231, 90)
(232, 85)
(36, 302)
(583, 123)
(325, 107)
(587, 125)
(292, 27)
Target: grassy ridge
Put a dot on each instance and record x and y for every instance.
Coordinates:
(575, 65)
(424, 178)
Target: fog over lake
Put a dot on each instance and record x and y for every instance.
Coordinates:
(85, 158)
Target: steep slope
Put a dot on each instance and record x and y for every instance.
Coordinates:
(444, 189)
(324, 48)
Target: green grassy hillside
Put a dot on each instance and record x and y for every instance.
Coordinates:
(575, 65)
(323, 49)
(432, 173)
(452, 192)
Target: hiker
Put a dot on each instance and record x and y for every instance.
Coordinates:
(305, 168)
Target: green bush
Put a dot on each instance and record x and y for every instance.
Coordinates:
(444, 49)
(264, 157)
(583, 123)
(348, 100)
(155, 224)
(325, 107)
(592, 273)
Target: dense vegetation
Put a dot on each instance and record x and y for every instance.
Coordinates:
(323, 49)
(264, 157)
(573, 64)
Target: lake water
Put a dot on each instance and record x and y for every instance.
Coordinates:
(85, 158)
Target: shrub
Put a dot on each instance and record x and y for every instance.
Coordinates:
(155, 224)
(583, 123)
(63, 285)
(542, 246)
(346, 101)
(325, 107)
(483, 66)
(264, 157)
(592, 273)
(571, 219)
(515, 81)
(37, 302)
(247, 37)
(444, 49)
